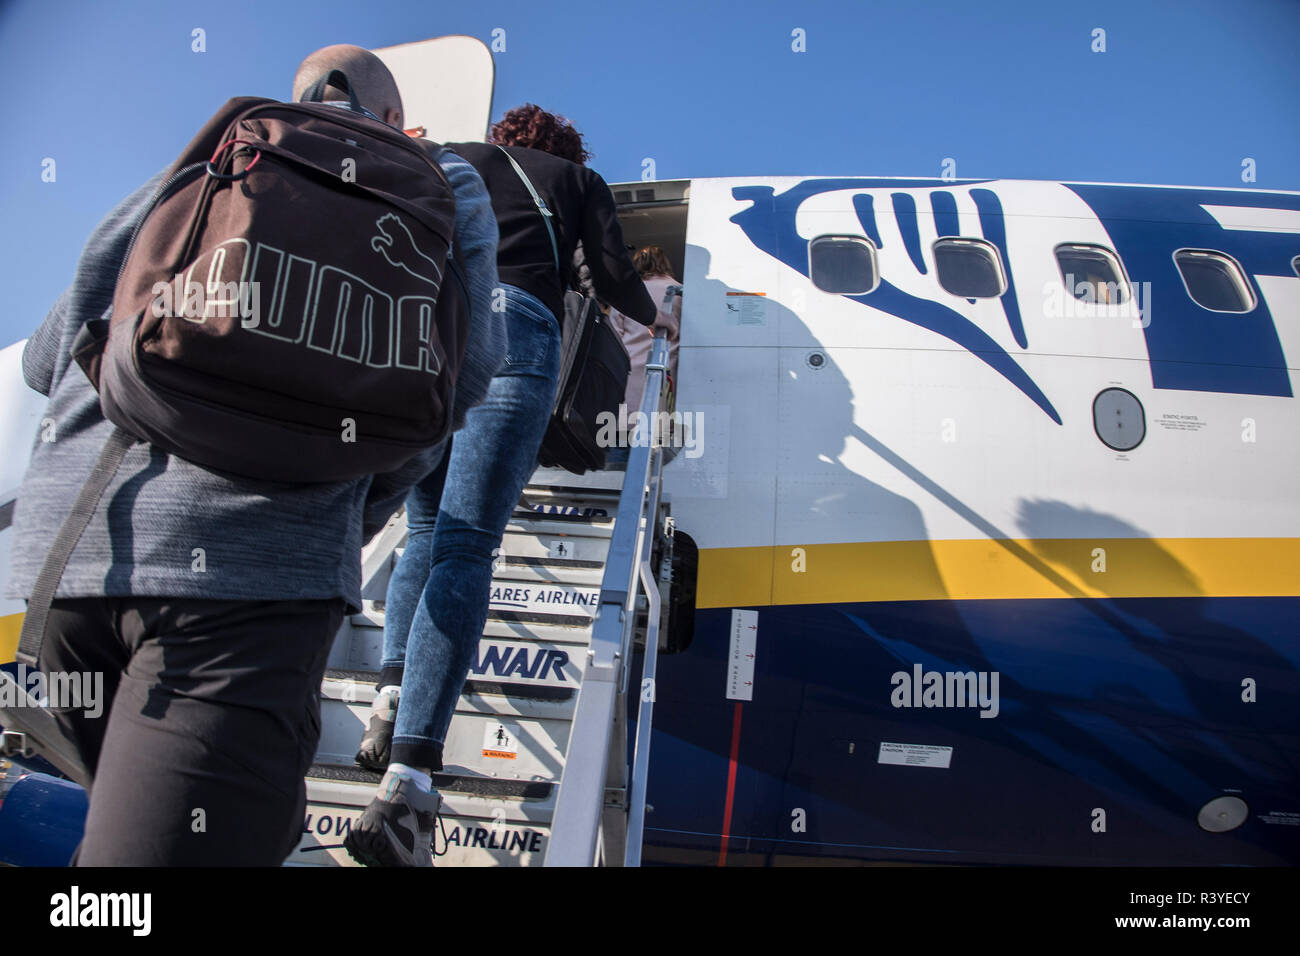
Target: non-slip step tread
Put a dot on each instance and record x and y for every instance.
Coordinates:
(470, 704)
(570, 491)
(546, 524)
(557, 564)
(567, 517)
(489, 688)
(542, 633)
(561, 629)
(532, 617)
(520, 691)
(458, 783)
(608, 480)
(361, 676)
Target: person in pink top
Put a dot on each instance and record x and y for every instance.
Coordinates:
(656, 272)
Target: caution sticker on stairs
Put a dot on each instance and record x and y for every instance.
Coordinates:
(499, 742)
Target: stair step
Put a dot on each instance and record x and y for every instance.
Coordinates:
(542, 597)
(492, 735)
(522, 664)
(360, 642)
(558, 526)
(588, 549)
(359, 646)
(482, 822)
(480, 696)
(545, 570)
(535, 492)
(534, 617)
(575, 516)
(350, 785)
(565, 482)
(546, 633)
(369, 626)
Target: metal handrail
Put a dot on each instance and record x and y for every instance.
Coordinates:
(575, 826)
(645, 711)
(42, 734)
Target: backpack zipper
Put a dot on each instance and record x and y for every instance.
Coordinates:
(158, 197)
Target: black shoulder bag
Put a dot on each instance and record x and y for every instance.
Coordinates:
(594, 368)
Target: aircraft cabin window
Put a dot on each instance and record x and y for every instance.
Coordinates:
(969, 268)
(843, 265)
(1214, 280)
(1295, 265)
(1092, 273)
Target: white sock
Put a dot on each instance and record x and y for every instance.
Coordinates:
(386, 701)
(422, 779)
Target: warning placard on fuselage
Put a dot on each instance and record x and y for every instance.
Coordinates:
(742, 654)
(915, 755)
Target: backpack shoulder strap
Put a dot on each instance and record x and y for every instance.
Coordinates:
(541, 206)
(56, 560)
(338, 79)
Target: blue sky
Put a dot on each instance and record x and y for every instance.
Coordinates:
(1184, 92)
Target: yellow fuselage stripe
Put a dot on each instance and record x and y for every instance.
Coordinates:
(978, 569)
(998, 569)
(10, 626)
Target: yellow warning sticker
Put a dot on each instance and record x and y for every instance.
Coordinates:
(499, 742)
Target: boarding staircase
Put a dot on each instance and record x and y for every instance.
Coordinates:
(536, 763)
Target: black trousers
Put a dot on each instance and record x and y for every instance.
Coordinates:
(210, 718)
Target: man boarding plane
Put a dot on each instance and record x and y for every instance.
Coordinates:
(994, 496)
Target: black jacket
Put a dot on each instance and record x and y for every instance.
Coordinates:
(583, 211)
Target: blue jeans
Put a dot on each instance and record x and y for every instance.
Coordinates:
(438, 596)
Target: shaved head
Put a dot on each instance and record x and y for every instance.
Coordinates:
(374, 85)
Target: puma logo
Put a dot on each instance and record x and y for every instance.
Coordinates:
(396, 244)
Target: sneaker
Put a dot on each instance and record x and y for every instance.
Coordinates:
(376, 747)
(396, 829)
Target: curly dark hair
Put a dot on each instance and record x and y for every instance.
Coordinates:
(531, 126)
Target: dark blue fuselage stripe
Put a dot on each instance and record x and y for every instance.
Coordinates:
(905, 216)
(944, 206)
(995, 231)
(866, 210)
(1133, 704)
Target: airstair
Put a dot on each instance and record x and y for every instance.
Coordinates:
(536, 762)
